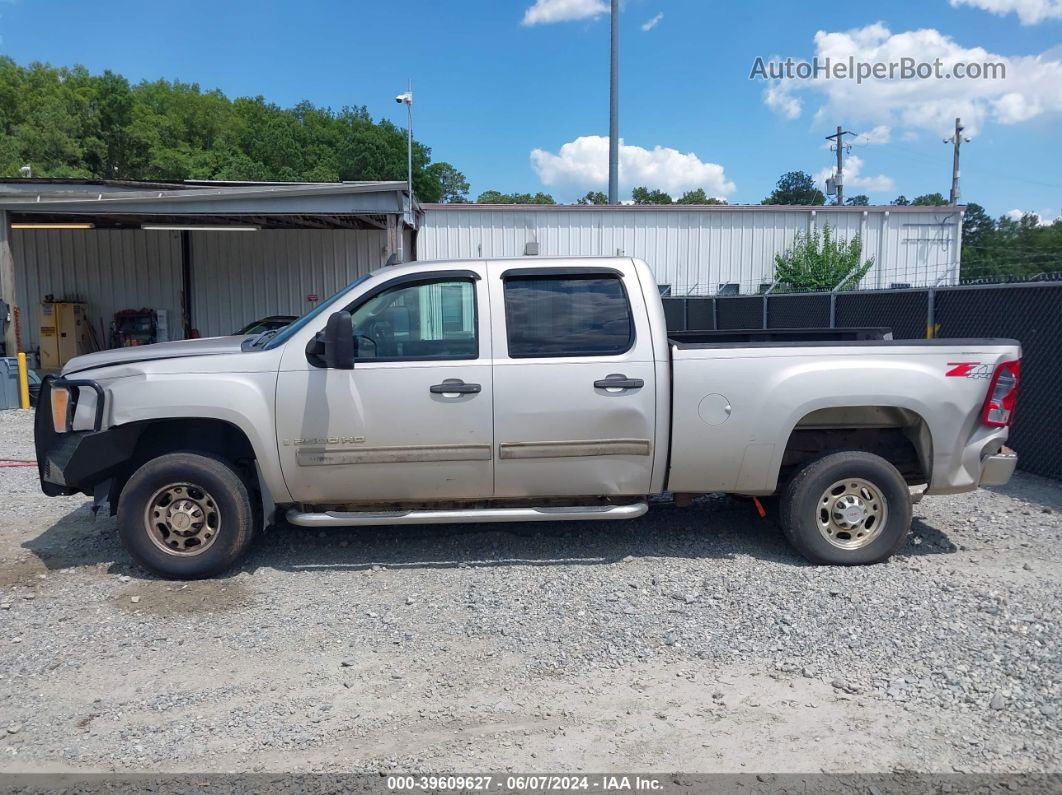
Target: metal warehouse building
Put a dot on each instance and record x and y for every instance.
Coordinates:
(211, 256)
(702, 250)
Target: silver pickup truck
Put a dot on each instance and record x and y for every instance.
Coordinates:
(512, 391)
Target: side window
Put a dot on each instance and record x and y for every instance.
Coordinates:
(567, 316)
(426, 320)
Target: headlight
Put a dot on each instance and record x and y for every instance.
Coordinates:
(60, 397)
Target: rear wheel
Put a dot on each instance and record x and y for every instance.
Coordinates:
(847, 508)
(186, 516)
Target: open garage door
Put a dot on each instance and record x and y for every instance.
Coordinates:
(238, 277)
(107, 269)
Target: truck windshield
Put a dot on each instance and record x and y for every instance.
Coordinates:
(284, 334)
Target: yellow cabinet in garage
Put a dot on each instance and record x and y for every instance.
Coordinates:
(64, 333)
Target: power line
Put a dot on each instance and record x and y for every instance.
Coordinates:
(903, 150)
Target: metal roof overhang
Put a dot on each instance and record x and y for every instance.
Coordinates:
(346, 205)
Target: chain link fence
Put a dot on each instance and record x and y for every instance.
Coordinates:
(1028, 311)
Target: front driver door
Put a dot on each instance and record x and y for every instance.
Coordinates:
(413, 421)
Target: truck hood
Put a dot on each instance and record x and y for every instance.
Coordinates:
(211, 346)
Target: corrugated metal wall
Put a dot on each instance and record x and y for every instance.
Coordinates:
(108, 269)
(238, 277)
(695, 251)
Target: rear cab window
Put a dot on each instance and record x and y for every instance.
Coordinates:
(566, 314)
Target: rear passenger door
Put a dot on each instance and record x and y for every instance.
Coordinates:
(574, 391)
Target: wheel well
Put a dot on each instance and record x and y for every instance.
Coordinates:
(192, 434)
(898, 435)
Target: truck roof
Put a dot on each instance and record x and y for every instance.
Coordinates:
(527, 261)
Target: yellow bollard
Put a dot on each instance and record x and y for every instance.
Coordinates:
(23, 381)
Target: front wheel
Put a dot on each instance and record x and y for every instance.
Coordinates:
(847, 508)
(186, 516)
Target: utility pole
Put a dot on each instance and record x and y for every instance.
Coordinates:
(613, 111)
(838, 179)
(957, 141)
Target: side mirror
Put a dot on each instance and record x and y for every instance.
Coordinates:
(333, 347)
(339, 342)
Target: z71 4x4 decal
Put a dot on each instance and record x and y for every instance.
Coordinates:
(969, 370)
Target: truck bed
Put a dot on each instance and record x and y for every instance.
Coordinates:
(736, 403)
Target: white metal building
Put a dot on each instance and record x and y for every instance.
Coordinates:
(214, 256)
(699, 249)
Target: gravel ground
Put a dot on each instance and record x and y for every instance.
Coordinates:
(690, 640)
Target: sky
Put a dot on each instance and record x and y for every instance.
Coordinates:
(514, 93)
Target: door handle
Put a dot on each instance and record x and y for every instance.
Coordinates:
(457, 386)
(618, 381)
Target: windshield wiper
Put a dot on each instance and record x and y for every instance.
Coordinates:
(264, 337)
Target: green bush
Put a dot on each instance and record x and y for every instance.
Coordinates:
(819, 260)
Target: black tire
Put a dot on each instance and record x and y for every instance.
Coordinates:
(805, 504)
(208, 483)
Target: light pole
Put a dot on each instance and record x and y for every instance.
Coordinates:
(407, 100)
(613, 110)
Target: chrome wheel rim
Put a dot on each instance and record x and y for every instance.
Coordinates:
(851, 513)
(182, 519)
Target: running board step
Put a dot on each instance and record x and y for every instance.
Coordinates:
(566, 514)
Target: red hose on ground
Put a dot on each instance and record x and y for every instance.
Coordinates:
(16, 462)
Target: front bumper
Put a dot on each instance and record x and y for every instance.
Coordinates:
(75, 461)
(997, 469)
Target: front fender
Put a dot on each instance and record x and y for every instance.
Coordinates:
(244, 400)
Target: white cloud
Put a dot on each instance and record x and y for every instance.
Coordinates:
(878, 135)
(1030, 12)
(854, 178)
(649, 24)
(545, 12)
(1032, 85)
(582, 164)
(881, 134)
(1044, 217)
(777, 97)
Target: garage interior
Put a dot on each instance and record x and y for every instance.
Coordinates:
(167, 261)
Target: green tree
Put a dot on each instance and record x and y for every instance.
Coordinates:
(929, 200)
(698, 196)
(977, 225)
(537, 198)
(900, 201)
(643, 195)
(1008, 248)
(796, 187)
(66, 122)
(593, 197)
(452, 182)
(819, 260)
(495, 197)
(859, 200)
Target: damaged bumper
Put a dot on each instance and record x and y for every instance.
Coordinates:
(71, 461)
(997, 469)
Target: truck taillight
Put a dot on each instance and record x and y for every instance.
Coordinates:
(998, 411)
